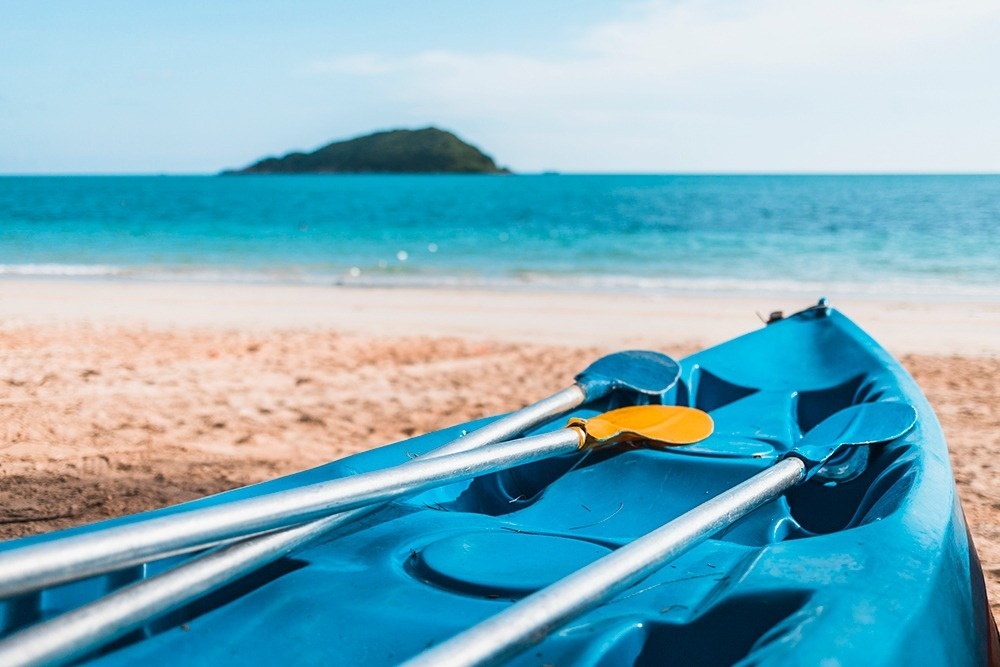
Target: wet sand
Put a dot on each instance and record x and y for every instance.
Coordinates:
(116, 398)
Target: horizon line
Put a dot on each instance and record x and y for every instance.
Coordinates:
(547, 172)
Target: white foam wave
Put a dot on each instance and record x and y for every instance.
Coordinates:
(57, 270)
(894, 287)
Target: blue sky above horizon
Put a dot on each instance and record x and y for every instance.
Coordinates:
(754, 86)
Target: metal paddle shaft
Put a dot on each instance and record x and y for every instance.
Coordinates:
(76, 632)
(525, 623)
(29, 567)
(26, 568)
(504, 428)
(530, 620)
(637, 371)
(79, 631)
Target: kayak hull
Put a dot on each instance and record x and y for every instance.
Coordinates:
(879, 570)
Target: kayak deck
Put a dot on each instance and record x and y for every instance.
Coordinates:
(855, 572)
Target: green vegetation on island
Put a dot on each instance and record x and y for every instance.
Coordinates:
(425, 151)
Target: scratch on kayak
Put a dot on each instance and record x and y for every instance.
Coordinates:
(436, 506)
(671, 581)
(670, 608)
(588, 525)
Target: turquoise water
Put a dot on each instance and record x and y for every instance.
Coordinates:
(906, 235)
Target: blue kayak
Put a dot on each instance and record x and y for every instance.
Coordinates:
(870, 564)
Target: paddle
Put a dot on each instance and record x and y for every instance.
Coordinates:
(648, 374)
(645, 373)
(529, 621)
(72, 634)
(23, 568)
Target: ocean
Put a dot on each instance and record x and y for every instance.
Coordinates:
(894, 236)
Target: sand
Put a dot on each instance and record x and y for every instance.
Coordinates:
(119, 397)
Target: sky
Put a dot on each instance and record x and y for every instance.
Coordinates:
(589, 86)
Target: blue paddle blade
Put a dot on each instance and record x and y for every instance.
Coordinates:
(823, 447)
(641, 371)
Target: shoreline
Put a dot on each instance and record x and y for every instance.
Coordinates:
(574, 318)
(527, 282)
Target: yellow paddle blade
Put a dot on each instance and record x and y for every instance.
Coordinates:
(664, 425)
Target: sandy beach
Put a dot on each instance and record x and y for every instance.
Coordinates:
(121, 397)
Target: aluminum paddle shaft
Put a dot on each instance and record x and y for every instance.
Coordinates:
(75, 633)
(638, 372)
(79, 631)
(24, 569)
(31, 567)
(529, 621)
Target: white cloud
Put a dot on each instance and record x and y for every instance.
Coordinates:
(684, 36)
(724, 85)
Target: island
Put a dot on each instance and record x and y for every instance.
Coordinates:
(425, 151)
